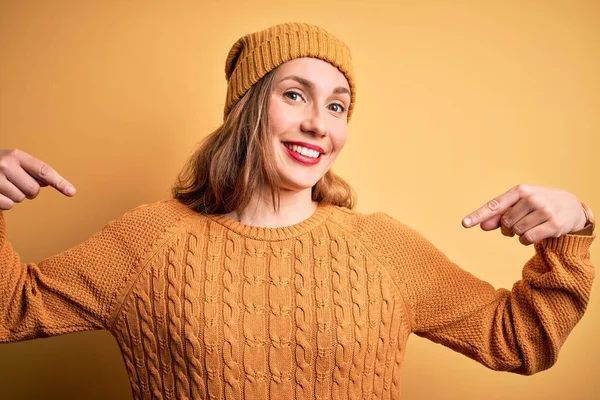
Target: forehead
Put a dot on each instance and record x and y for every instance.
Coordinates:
(316, 70)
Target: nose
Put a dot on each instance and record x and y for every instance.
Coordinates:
(314, 122)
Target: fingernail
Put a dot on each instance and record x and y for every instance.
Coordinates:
(70, 190)
(468, 221)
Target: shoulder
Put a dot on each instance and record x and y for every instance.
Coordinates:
(161, 211)
(369, 225)
(151, 219)
(385, 235)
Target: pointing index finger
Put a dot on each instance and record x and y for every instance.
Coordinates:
(493, 207)
(45, 174)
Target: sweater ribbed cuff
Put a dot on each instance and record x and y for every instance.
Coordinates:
(576, 245)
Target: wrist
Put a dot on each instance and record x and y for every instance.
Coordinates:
(589, 225)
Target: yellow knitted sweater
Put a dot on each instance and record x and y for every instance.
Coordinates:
(206, 307)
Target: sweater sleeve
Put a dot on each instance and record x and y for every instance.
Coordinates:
(519, 330)
(78, 289)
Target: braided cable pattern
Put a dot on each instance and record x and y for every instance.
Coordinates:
(212, 338)
(159, 286)
(280, 320)
(137, 348)
(124, 339)
(374, 311)
(191, 312)
(385, 333)
(231, 315)
(324, 363)
(360, 313)
(340, 284)
(146, 326)
(174, 308)
(255, 319)
(303, 317)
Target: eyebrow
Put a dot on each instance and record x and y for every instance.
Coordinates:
(305, 82)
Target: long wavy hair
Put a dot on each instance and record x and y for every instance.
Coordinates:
(238, 159)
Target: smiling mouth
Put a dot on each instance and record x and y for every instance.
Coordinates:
(301, 154)
(304, 151)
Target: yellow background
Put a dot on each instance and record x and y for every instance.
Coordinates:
(457, 103)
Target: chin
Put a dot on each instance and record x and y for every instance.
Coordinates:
(297, 185)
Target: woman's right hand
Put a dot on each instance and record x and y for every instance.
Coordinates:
(22, 175)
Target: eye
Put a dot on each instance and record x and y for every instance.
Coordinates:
(340, 107)
(294, 96)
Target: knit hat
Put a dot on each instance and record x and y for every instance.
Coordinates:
(255, 54)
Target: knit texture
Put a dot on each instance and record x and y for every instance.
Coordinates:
(204, 307)
(252, 56)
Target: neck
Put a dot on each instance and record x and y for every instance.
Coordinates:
(294, 207)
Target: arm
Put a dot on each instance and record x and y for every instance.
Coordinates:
(78, 289)
(521, 330)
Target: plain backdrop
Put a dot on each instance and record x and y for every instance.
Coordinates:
(457, 102)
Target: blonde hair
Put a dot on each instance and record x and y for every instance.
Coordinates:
(237, 159)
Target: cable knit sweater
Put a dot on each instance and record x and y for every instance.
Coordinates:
(205, 307)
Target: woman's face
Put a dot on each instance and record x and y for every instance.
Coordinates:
(308, 116)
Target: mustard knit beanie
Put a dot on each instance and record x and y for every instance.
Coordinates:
(255, 54)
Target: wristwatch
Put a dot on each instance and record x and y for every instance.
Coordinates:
(590, 223)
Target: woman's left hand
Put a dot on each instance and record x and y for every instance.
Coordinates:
(532, 212)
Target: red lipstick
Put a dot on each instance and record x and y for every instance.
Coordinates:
(308, 146)
(300, 157)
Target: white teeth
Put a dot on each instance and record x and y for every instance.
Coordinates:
(303, 150)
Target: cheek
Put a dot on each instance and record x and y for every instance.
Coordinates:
(280, 117)
(339, 139)
(274, 121)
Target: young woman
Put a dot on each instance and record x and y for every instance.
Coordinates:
(258, 280)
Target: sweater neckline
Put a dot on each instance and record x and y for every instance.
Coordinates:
(281, 233)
